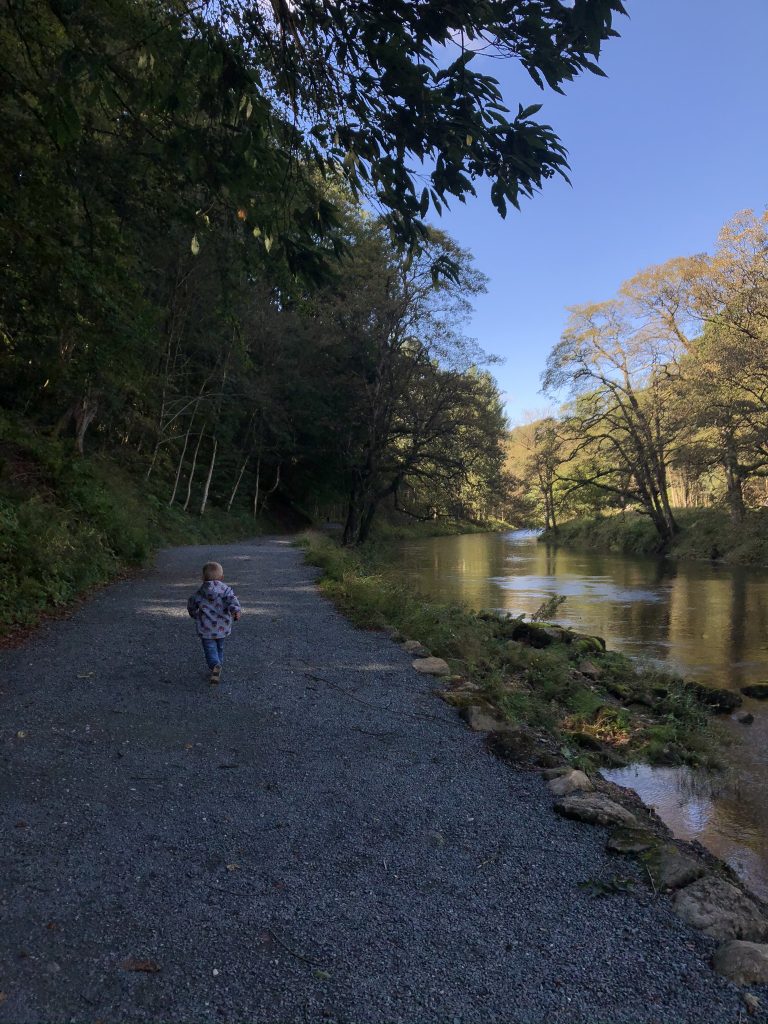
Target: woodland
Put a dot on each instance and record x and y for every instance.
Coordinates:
(663, 393)
(221, 290)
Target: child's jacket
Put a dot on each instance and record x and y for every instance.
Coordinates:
(212, 607)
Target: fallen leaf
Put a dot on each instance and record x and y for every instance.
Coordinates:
(21, 824)
(21, 734)
(322, 975)
(145, 966)
(85, 675)
(3, 996)
(188, 746)
(52, 926)
(233, 867)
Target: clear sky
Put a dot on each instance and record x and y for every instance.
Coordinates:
(662, 152)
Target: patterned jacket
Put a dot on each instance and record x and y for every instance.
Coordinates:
(212, 608)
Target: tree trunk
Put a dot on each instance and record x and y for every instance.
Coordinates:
(236, 488)
(206, 488)
(85, 412)
(734, 484)
(192, 469)
(256, 491)
(181, 462)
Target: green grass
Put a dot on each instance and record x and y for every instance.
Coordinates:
(704, 533)
(628, 715)
(68, 523)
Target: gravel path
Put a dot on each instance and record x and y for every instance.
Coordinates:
(318, 839)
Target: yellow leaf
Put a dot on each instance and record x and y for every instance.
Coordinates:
(194, 245)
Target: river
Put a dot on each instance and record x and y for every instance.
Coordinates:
(707, 621)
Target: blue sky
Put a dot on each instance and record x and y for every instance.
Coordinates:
(662, 152)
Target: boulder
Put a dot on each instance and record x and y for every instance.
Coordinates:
(458, 698)
(746, 719)
(432, 666)
(586, 644)
(416, 648)
(758, 691)
(719, 909)
(719, 702)
(482, 720)
(595, 808)
(513, 743)
(670, 868)
(537, 635)
(590, 670)
(630, 840)
(746, 963)
(555, 773)
(546, 759)
(573, 782)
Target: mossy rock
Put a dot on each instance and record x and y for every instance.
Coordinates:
(586, 645)
(758, 691)
(719, 701)
(620, 690)
(631, 840)
(540, 635)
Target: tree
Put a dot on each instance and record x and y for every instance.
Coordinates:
(383, 89)
(622, 414)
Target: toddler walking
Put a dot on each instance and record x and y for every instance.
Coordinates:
(214, 607)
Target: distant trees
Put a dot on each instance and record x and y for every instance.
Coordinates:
(669, 381)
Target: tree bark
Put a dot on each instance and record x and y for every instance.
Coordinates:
(207, 486)
(192, 468)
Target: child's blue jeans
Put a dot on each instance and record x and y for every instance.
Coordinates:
(213, 651)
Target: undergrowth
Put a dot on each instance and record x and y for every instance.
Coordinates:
(68, 522)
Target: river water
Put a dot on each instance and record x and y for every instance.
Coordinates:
(708, 622)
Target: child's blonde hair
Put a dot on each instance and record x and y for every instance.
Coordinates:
(212, 571)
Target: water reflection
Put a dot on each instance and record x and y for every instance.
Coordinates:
(706, 621)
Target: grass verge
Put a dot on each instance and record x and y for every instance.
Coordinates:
(705, 533)
(595, 705)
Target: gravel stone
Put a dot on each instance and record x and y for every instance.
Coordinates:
(319, 829)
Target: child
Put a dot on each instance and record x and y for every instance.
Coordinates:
(214, 606)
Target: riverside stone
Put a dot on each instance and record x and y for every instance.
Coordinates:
(630, 840)
(670, 868)
(555, 773)
(595, 808)
(573, 782)
(432, 666)
(481, 720)
(416, 648)
(758, 691)
(719, 909)
(746, 963)
(590, 670)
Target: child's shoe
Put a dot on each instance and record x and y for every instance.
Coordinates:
(215, 674)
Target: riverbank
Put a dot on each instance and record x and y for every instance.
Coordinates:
(319, 822)
(705, 533)
(69, 523)
(591, 704)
